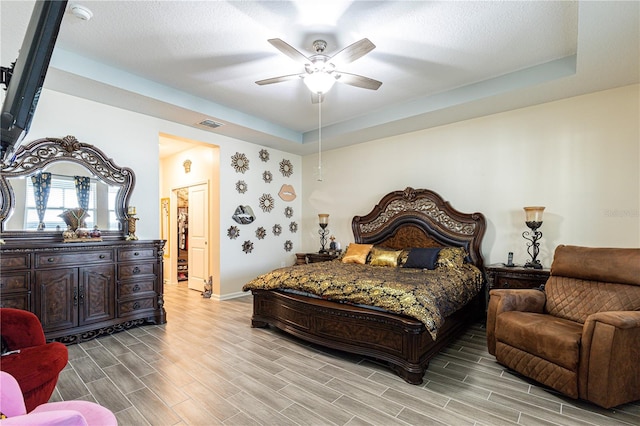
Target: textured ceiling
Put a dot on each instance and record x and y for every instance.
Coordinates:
(439, 62)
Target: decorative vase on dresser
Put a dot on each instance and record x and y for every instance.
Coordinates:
(79, 288)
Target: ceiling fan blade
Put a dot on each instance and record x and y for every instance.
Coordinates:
(289, 50)
(352, 52)
(279, 79)
(317, 98)
(358, 80)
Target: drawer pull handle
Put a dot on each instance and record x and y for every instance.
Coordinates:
(136, 254)
(136, 270)
(51, 260)
(136, 288)
(75, 297)
(102, 256)
(136, 305)
(506, 284)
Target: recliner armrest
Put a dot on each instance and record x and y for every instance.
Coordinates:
(609, 372)
(502, 300)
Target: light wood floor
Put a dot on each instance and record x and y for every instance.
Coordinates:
(207, 366)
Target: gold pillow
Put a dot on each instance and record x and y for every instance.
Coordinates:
(357, 253)
(384, 257)
(451, 257)
(404, 254)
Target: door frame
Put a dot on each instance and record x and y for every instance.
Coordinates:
(173, 223)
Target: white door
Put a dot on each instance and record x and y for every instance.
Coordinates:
(198, 236)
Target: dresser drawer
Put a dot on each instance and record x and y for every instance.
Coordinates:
(15, 261)
(16, 301)
(136, 270)
(133, 289)
(143, 253)
(15, 281)
(134, 306)
(45, 260)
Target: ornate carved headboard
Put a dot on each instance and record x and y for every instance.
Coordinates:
(420, 218)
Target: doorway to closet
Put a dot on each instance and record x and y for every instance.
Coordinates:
(192, 235)
(187, 164)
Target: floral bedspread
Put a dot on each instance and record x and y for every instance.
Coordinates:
(426, 295)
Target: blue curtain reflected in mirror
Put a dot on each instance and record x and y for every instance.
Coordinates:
(41, 188)
(83, 190)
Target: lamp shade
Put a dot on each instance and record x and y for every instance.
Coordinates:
(323, 218)
(533, 214)
(319, 82)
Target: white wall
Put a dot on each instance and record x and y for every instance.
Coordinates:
(131, 140)
(579, 157)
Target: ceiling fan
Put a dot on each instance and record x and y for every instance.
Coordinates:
(320, 70)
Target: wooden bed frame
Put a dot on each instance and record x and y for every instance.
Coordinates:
(402, 219)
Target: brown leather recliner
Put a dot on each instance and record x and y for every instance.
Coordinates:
(581, 335)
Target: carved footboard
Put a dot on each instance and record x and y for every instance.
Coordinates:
(402, 342)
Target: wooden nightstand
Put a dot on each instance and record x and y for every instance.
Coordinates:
(500, 276)
(304, 258)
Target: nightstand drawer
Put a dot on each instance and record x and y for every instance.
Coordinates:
(517, 282)
(500, 276)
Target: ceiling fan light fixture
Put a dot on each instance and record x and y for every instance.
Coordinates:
(319, 82)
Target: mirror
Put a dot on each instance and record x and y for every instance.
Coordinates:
(49, 176)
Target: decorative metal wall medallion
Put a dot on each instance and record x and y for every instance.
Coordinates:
(240, 162)
(241, 186)
(293, 227)
(288, 212)
(286, 168)
(264, 155)
(261, 233)
(247, 247)
(267, 176)
(288, 245)
(233, 232)
(266, 203)
(244, 215)
(277, 229)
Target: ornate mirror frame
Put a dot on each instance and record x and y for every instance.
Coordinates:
(37, 155)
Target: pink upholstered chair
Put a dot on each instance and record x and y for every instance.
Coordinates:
(65, 413)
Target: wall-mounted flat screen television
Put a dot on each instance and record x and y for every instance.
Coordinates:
(24, 78)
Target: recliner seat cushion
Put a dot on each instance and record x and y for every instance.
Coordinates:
(554, 339)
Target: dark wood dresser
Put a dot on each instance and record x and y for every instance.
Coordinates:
(83, 290)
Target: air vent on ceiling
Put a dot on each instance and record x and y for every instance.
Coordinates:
(210, 123)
